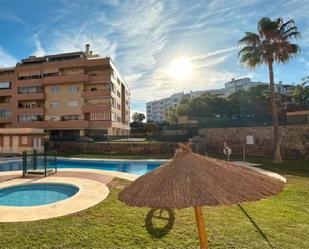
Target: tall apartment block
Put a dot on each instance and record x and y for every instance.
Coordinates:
(71, 94)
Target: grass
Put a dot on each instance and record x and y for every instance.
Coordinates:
(278, 222)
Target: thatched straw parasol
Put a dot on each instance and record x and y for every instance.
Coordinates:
(191, 180)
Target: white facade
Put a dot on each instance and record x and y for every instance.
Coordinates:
(156, 109)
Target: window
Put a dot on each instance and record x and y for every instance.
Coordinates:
(112, 86)
(24, 140)
(73, 89)
(55, 89)
(113, 102)
(30, 117)
(5, 113)
(100, 116)
(5, 85)
(54, 104)
(118, 94)
(71, 117)
(72, 103)
(118, 106)
(30, 89)
(113, 117)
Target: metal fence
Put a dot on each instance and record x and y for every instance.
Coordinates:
(130, 138)
(39, 163)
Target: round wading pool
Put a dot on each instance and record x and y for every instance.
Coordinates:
(36, 194)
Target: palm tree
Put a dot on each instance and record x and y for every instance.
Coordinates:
(271, 44)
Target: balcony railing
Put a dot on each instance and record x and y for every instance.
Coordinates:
(99, 78)
(7, 119)
(87, 108)
(32, 110)
(31, 96)
(6, 92)
(96, 94)
(69, 78)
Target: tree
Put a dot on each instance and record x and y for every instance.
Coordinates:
(138, 117)
(172, 115)
(300, 95)
(137, 122)
(270, 45)
(150, 128)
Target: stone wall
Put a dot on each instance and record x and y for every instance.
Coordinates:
(294, 143)
(294, 140)
(117, 147)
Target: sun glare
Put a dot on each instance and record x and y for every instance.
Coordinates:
(181, 68)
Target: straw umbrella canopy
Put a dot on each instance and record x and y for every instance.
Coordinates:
(192, 180)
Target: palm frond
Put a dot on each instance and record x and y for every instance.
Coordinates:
(249, 39)
(270, 44)
(295, 35)
(287, 24)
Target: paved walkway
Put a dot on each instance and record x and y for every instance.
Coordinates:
(92, 190)
(254, 167)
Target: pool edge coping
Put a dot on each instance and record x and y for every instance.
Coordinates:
(90, 193)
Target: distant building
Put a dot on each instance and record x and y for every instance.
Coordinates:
(156, 109)
(17, 140)
(244, 84)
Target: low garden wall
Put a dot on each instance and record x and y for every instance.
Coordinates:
(115, 147)
(294, 140)
(294, 143)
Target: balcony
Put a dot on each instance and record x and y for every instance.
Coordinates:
(30, 96)
(7, 105)
(32, 110)
(69, 78)
(29, 82)
(30, 124)
(100, 124)
(72, 124)
(96, 94)
(7, 119)
(6, 92)
(87, 108)
(100, 78)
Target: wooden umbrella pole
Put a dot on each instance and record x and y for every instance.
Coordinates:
(201, 228)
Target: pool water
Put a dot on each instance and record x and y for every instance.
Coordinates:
(137, 168)
(36, 194)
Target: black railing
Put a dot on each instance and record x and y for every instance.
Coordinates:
(132, 139)
(39, 163)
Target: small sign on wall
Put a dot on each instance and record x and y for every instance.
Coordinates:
(249, 139)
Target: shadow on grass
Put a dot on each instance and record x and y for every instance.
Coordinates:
(152, 229)
(263, 235)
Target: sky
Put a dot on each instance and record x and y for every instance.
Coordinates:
(146, 37)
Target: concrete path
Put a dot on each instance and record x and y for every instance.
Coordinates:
(254, 166)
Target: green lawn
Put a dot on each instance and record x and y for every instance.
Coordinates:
(280, 222)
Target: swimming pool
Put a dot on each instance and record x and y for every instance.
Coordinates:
(132, 167)
(36, 194)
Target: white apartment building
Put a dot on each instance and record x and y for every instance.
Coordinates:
(156, 109)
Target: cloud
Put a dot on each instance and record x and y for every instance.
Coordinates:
(6, 60)
(40, 51)
(216, 52)
(144, 36)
